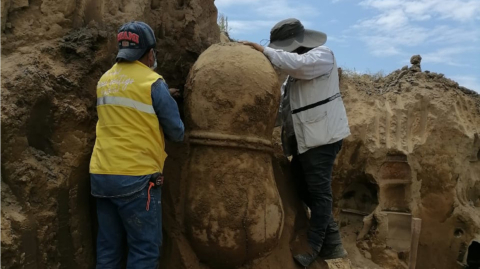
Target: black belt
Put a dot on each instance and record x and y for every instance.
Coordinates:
(319, 103)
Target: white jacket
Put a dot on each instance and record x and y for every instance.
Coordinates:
(318, 112)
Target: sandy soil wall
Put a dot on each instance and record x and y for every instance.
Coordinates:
(53, 53)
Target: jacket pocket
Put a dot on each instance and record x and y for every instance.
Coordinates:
(315, 132)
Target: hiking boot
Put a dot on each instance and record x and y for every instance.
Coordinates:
(305, 259)
(330, 252)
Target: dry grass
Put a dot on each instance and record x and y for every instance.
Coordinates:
(369, 76)
(222, 22)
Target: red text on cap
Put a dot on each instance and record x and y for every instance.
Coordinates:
(128, 36)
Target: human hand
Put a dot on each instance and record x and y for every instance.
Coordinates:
(253, 45)
(175, 93)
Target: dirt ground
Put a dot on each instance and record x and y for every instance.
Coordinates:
(414, 151)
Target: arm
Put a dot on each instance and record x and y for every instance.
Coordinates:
(317, 62)
(167, 112)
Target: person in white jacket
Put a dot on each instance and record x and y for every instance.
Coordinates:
(314, 124)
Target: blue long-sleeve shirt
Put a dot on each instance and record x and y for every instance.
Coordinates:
(167, 112)
(168, 116)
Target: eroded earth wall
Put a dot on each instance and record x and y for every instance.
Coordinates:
(53, 53)
(414, 152)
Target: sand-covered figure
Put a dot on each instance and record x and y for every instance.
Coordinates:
(233, 210)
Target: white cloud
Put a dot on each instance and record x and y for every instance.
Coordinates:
(460, 10)
(242, 26)
(448, 55)
(338, 39)
(404, 24)
(470, 82)
(271, 9)
(225, 3)
(260, 15)
(282, 9)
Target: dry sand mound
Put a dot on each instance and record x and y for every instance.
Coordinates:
(414, 149)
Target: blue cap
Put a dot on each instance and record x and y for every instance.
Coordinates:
(134, 39)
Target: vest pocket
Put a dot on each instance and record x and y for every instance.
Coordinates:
(315, 132)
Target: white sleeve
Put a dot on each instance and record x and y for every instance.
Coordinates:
(316, 62)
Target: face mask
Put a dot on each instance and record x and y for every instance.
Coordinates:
(154, 61)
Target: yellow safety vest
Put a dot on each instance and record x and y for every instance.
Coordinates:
(130, 140)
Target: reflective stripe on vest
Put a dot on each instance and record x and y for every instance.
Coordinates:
(126, 102)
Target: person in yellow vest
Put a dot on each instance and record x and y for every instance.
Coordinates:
(135, 114)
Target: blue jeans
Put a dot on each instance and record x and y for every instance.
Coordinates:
(312, 172)
(127, 219)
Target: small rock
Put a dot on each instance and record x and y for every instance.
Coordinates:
(368, 255)
(18, 4)
(55, 30)
(420, 76)
(451, 83)
(401, 75)
(9, 25)
(405, 67)
(416, 68)
(426, 71)
(466, 91)
(103, 34)
(416, 59)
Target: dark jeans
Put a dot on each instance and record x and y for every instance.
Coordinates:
(312, 172)
(126, 219)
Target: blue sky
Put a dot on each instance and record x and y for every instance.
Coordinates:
(376, 35)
